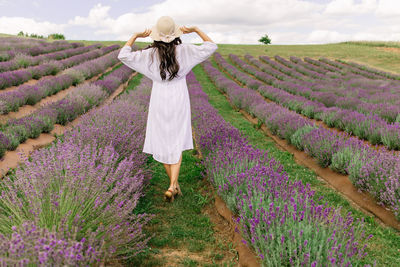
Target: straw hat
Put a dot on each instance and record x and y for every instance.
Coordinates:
(165, 30)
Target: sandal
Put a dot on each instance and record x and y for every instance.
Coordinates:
(169, 195)
(179, 190)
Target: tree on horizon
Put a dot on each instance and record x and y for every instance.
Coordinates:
(265, 39)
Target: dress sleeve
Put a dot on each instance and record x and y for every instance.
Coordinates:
(199, 53)
(136, 60)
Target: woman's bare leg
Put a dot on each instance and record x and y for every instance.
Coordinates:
(175, 172)
(168, 170)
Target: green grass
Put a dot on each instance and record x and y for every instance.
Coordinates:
(108, 72)
(105, 43)
(383, 247)
(374, 43)
(181, 225)
(135, 81)
(6, 35)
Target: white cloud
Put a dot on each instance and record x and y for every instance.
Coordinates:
(328, 36)
(389, 8)
(247, 20)
(4, 2)
(349, 7)
(237, 21)
(98, 17)
(285, 21)
(13, 25)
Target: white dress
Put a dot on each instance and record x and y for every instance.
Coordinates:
(168, 128)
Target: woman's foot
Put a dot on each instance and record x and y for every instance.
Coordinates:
(178, 189)
(170, 194)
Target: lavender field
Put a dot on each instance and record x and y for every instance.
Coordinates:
(271, 132)
(335, 98)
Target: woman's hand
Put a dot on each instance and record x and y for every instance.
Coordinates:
(185, 29)
(143, 34)
(137, 35)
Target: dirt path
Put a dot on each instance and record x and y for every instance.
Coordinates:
(188, 231)
(341, 183)
(11, 159)
(30, 82)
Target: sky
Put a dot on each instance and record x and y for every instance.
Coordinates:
(225, 21)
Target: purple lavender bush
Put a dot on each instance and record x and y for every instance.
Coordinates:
(52, 67)
(364, 168)
(77, 102)
(31, 94)
(30, 244)
(277, 217)
(313, 104)
(72, 203)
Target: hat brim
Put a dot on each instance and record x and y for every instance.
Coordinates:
(155, 35)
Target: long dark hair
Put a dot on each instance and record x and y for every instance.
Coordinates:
(167, 56)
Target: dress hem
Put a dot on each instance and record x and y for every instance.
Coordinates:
(184, 149)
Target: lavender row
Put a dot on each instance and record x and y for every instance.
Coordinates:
(265, 77)
(384, 74)
(23, 60)
(341, 80)
(360, 71)
(322, 65)
(16, 42)
(363, 128)
(372, 90)
(295, 62)
(321, 68)
(240, 76)
(373, 170)
(11, 42)
(271, 69)
(52, 67)
(77, 102)
(293, 69)
(368, 127)
(375, 97)
(348, 70)
(279, 217)
(32, 94)
(300, 69)
(282, 68)
(307, 65)
(9, 50)
(79, 195)
(355, 70)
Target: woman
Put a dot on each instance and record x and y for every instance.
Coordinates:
(168, 129)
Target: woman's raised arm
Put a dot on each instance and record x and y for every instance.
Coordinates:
(137, 35)
(196, 29)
